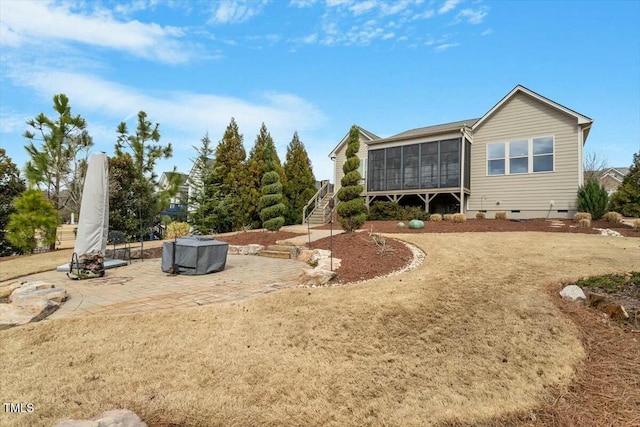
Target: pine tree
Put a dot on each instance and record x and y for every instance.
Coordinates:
(626, 200)
(352, 209)
(11, 186)
(256, 167)
(59, 163)
(272, 208)
(34, 216)
(231, 175)
(593, 198)
(300, 185)
(202, 169)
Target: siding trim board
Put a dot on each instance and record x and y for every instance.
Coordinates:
(521, 115)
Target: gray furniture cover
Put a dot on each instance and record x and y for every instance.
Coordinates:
(195, 255)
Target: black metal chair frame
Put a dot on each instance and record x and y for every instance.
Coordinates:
(119, 242)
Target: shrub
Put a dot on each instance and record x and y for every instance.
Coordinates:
(435, 217)
(413, 212)
(613, 217)
(636, 224)
(584, 223)
(177, 229)
(582, 215)
(593, 198)
(447, 217)
(481, 215)
(384, 211)
(352, 209)
(459, 218)
(501, 215)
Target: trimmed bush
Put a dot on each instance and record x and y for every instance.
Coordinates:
(593, 198)
(613, 217)
(636, 224)
(447, 217)
(501, 215)
(459, 218)
(481, 215)
(435, 217)
(582, 215)
(352, 210)
(177, 229)
(584, 223)
(386, 211)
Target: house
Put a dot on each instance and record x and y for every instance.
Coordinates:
(523, 156)
(177, 203)
(611, 178)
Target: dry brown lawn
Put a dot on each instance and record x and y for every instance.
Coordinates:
(469, 336)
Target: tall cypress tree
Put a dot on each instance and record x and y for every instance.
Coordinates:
(231, 174)
(352, 209)
(300, 185)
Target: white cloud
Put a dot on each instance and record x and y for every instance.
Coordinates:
(445, 46)
(23, 23)
(363, 7)
(302, 3)
(486, 32)
(472, 16)
(448, 5)
(236, 11)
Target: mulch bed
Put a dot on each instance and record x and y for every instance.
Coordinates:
(497, 225)
(258, 237)
(362, 258)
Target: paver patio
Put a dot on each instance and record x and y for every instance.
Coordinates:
(142, 286)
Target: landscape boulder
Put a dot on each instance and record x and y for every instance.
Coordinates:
(31, 302)
(315, 276)
(573, 293)
(6, 290)
(327, 264)
(115, 418)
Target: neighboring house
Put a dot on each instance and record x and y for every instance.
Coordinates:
(178, 203)
(611, 178)
(524, 156)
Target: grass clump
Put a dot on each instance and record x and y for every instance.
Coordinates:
(636, 224)
(447, 217)
(481, 215)
(582, 215)
(177, 229)
(435, 217)
(584, 223)
(501, 215)
(612, 217)
(459, 218)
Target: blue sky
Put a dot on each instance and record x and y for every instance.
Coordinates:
(315, 66)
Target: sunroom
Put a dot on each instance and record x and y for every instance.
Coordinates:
(434, 174)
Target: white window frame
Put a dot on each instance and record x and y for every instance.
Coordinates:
(530, 156)
(503, 158)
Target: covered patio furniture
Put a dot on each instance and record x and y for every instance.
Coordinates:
(194, 255)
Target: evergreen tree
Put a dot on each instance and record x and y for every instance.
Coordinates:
(256, 168)
(11, 186)
(352, 210)
(272, 209)
(300, 185)
(145, 152)
(593, 198)
(59, 163)
(626, 200)
(213, 215)
(231, 175)
(132, 201)
(201, 170)
(35, 216)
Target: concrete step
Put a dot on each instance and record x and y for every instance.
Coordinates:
(275, 254)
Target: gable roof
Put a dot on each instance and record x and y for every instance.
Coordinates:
(615, 173)
(582, 119)
(368, 135)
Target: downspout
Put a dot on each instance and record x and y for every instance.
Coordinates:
(462, 168)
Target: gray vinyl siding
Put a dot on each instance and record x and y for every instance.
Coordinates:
(341, 157)
(523, 117)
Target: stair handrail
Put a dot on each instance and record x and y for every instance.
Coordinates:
(314, 201)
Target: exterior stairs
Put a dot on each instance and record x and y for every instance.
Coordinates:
(276, 251)
(317, 216)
